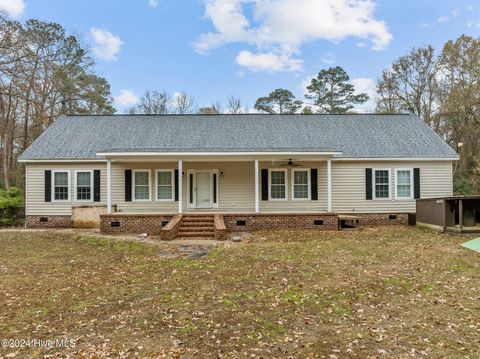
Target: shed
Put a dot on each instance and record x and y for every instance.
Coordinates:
(458, 214)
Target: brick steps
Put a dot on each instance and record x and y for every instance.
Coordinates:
(196, 227)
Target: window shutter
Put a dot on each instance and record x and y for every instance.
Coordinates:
(314, 184)
(176, 185)
(96, 185)
(128, 185)
(264, 184)
(416, 183)
(368, 183)
(48, 186)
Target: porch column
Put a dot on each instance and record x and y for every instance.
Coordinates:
(257, 191)
(109, 186)
(329, 185)
(180, 186)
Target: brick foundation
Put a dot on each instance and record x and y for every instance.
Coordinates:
(251, 222)
(375, 220)
(133, 223)
(48, 221)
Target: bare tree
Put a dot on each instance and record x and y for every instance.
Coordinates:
(214, 109)
(234, 105)
(183, 103)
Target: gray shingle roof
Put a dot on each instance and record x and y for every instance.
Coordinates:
(356, 136)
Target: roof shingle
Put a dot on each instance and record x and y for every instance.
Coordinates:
(356, 136)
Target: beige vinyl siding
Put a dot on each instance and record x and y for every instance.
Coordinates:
(290, 205)
(348, 185)
(237, 188)
(35, 197)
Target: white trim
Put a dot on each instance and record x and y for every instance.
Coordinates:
(270, 184)
(172, 183)
(329, 186)
(191, 205)
(411, 184)
(389, 185)
(149, 185)
(194, 186)
(67, 160)
(26, 193)
(212, 172)
(109, 186)
(309, 184)
(329, 153)
(257, 189)
(180, 186)
(68, 185)
(75, 186)
(391, 159)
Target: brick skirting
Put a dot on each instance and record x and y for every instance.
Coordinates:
(251, 222)
(133, 223)
(48, 221)
(375, 220)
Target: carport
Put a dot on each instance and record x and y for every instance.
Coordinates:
(458, 214)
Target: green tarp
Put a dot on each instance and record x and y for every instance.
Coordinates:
(474, 245)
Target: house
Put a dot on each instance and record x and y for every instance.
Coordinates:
(203, 175)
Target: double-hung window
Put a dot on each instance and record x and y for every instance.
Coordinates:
(83, 185)
(301, 183)
(61, 185)
(381, 181)
(404, 181)
(141, 185)
(165, 186)
(278, 184)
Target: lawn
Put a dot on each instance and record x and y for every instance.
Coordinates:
(379, 293)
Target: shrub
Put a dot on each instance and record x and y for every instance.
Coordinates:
(11, 207)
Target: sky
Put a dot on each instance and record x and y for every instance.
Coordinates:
(213, 49)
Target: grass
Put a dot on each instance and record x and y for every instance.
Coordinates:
(379, 293)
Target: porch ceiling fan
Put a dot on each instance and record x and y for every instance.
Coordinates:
(290, 163)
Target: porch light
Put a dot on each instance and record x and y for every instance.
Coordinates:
(221, 173)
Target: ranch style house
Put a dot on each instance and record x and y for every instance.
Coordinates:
(202, 176)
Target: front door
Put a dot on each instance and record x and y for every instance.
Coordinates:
(203, 189)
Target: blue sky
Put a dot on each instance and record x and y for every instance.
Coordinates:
(212, 49)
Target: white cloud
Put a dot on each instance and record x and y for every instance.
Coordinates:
(106, 45)
(126, 98)
(368, 86)
(269, 62)
(153, 3)
(444, 18)
(328, 58)
(283, 26)
(12, 8)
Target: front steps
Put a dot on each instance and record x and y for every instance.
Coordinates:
(196, 227)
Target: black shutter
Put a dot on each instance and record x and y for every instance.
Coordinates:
(314, 183)
(48, 186)
(215, 188)
(128, 185)
(264, 184)
(176, 185)
(96, 185)
(368, 183)
(416, 183)
(191, 188)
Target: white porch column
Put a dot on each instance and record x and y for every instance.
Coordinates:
(109, 186)
(257, 190)
(180, 186)
(329, 185)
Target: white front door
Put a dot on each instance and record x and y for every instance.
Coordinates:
(203, 189)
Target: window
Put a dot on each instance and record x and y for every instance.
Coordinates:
(278, 184)
(165, 185)
(61, 185)
(404, 183)
(382, 184)
(141, 185)
(301, 183)
(83, 187)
